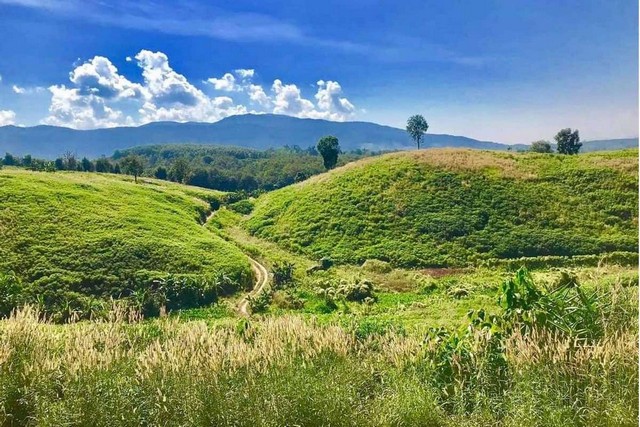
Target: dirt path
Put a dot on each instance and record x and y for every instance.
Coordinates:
(262, 279)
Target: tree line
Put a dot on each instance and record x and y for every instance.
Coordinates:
(240, 169)
(216, 167)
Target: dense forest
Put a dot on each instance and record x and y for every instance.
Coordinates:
(224, 168)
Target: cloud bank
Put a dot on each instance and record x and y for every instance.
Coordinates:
(98, 95)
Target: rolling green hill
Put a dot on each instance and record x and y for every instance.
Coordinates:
(93, 234)
(450, 207)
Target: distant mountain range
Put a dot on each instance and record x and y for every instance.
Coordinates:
(253, 131)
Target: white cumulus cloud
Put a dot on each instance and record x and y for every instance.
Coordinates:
(98, 95)
(225, 83)
(288, 100)
(170, 96)
(7, 117)
(245, 73)
(257, 95)
(69, 107)
(100, 77)
(331, 105)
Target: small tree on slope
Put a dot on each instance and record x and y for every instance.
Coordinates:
(329, 148)
(133, 165)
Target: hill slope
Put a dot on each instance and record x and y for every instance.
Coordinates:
(453, 207)
(252, 131)
(91, 233)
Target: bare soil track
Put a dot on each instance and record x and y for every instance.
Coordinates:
(262, 280)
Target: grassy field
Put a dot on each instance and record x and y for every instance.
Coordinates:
(410, 299)
(436, 208)
(413, 326)
(66, 235)
(291, 370)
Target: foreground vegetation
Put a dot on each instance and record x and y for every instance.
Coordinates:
(549, 356)
(436, 208)
(69, 239)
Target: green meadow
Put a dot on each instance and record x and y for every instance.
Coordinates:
(453, 208)
(68, 236)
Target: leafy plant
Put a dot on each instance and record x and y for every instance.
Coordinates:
(11, 293)
(259, 303)
(282, 274)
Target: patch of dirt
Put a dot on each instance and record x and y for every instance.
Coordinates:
(437, 273)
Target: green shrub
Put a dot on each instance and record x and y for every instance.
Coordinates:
(282, 274)
(244, 207)
(377, 266)
(259, 303)
(11, 293)
(287, 300)
(359, 290)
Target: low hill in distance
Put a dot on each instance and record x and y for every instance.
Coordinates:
(69, 235)
(261, 131)
(609, 144)
(451, 207)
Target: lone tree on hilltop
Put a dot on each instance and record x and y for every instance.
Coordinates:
(568, 141)
(132, 165)
(541, 146)
(329, 148)
(417, 126)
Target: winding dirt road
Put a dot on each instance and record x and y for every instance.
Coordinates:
(262, 279)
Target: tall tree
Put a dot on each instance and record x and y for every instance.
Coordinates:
(417, 126)
(70, 160)
(87, 165)
(180, 170)
(329, 148)
(59, 163)
(132, 165)
(27, 160)
(103, 165)
(568, 141)
(9, 160)
(160, 173)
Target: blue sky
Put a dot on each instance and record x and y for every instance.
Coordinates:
(508, 71)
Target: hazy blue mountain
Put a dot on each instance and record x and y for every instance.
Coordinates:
(250, 130)
(253, 131)
(609, 144)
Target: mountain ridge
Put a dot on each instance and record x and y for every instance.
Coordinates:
(258, 131)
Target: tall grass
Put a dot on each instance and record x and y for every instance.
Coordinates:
(291, 371)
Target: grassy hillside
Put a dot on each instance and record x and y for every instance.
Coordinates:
(454, 207)
(68, 233)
